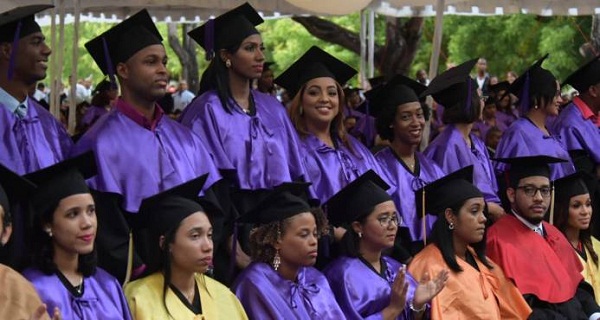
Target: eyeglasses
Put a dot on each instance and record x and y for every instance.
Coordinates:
(385, 221)
(531, 191)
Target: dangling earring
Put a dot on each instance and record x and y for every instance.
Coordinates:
(49, 232)
(276, 260)
(451, 226)
(360, 234)
(301, 110)
(228, 63)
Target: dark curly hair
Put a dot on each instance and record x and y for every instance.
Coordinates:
(42, 256)
(561, 221)
(264, 237)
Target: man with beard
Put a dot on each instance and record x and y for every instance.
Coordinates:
(534, 254)
(139, 151)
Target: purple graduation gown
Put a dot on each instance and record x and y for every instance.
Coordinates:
(361, 292)
(504, 120)
(331, 169)
(102, 296)
(450, 151)
(577, 133)
(523, 139)
(138, 163)
(34, 142)
(92, 114)
(264, 294)
(365, 125)
(405, 183)
(262, 149)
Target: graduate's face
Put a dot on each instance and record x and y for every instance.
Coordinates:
(73, 225)
(145, 74)
(5, 229)
(379, 229)
(31, 58)
(580, 212)
(298, 243)
(469, 223)
(192, 248)
(320, 101)
(248, 61)
(266, 80)
(531, 208)
(553, 106)
(409, 123)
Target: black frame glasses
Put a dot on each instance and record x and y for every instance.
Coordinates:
(531, 191)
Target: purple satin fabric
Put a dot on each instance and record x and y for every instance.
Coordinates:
(450, 151)
(262, 149)
(362, 293)
(34, 142)
(504, 120)
(365, 126)
(331, 169)
(405, 183)
(264, 294)
(577, 133)
(102, 296)
(138, 163)
(92, 114)
(523, 139)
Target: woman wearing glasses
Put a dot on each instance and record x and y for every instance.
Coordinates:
(539, 95)
(367, 283)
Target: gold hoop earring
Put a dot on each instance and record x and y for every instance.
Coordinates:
(228, 63)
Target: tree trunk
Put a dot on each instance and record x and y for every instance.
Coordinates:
(186, 53)
(595, 35)
(394, 57)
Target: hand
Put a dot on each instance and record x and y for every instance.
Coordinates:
(40, 312)
(428, 288)
(399, 288)
(495, 211)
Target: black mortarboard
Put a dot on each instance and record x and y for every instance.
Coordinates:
(523, 167)
(534, 82)
(447, 192)
(122, 41)
(453, 87)
(16, 24)
(12, 188)
(357, 199)
(376, 81)
(500, 86)
(61, 180)
(573, 185)
(282, 202)
(227, 30)
(164, 211)
(399, 90)
(314, 63)
(586, 76)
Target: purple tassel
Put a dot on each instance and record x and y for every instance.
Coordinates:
(469, 96)
(209, 39)
(524, 100)
(109, 66)
(13, 53)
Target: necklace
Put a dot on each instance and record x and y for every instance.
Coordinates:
(79, 287)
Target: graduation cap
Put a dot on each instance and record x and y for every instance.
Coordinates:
(376, 81)
(575, 184)
(227, 30)
(534, 82)
(314, 63)
(16, 24)
(500, 86)
(122, 41)
(398, 91)
(61, 180)
(586, 76)
(12, 188)
(103, 85)
(164, 211)
(453, 87)
(357, 199)
(284, 201)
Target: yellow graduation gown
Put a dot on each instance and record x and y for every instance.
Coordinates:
(591, 271)
(145, 297)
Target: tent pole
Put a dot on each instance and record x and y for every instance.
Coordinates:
(72, 101)
(363, 48)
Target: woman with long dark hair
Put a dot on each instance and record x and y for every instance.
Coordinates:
(177, 287)
(64, 226)
(366, 282)
(476, 288)
(457, 146)
(572, 216)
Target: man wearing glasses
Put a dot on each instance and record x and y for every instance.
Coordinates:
(534, 254)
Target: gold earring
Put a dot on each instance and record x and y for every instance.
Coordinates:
(228, 63)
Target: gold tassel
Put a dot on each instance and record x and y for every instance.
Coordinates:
(423, 220)
(129, 260)
(552, 205)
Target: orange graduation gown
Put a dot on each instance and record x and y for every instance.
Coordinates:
(470, 294)
(18, 298)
